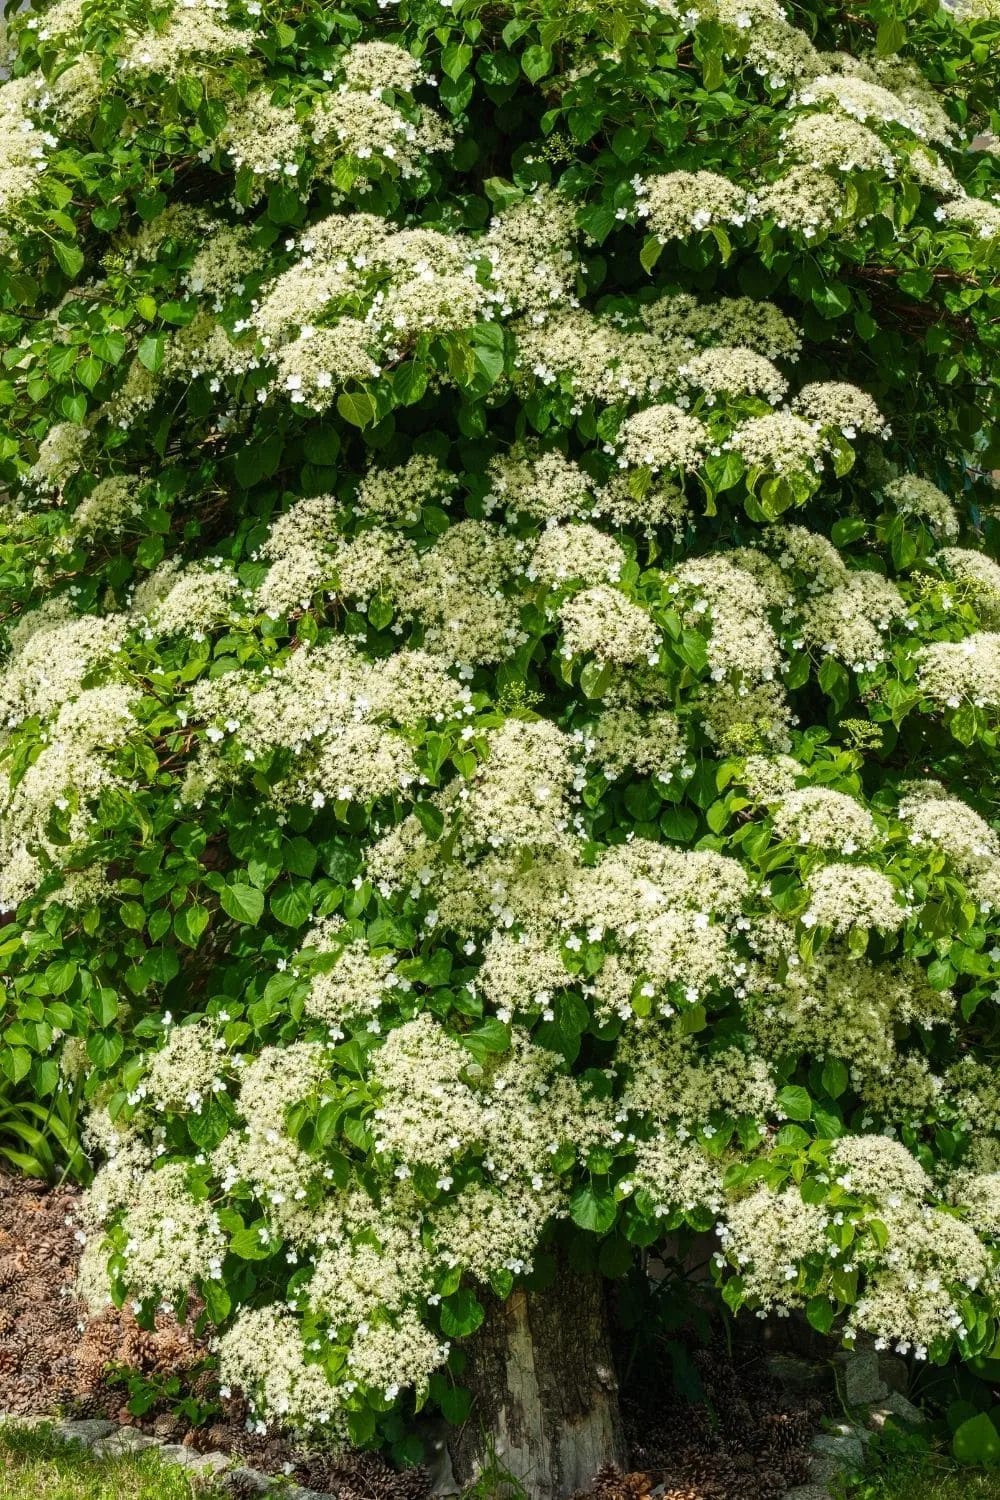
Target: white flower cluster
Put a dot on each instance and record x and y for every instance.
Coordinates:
(533, 671)
(953, 673)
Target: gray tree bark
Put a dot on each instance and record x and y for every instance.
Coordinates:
(546, 1395)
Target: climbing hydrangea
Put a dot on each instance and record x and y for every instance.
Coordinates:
(501, 662)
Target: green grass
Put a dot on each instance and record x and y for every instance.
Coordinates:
(36, 1465)
(924, 1476)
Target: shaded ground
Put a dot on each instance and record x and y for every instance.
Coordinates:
(739, 1438)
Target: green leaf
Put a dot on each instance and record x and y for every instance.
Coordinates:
(151, 349)
(642, 801)
(292, 903)
(218, 1303)
(356, 407)
(455, 59)
(461, 1314)
(890, 37)
(103, 1049)
(834, 681)
(679, 824)
(104, 1006)
(976, 1442)
(284, 206)
(595, 679)
(835, 1077)
(713, 72)
(300, 857)
(965, 724)
(832, 299)
(322, 445)
(536, 62)
(60, 975)
(69, 257)
(848, 530)
(253, 1243)
(212, 116)
(242, 901)
(409, 382)
(190, 922)
(794, 1101)
(455, 1404)
(652, 249)
(487, 353)
(820, 1313)
(490, 1036)
(628, 142)
(258, 461)
(15, 1062)
(593, 1208)
(380, 612)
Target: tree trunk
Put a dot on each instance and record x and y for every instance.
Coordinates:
(546, 1396)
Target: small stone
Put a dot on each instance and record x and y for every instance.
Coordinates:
(808, 1492)
(834, 1454)
(896, 1405)
(248, 1481)
(297, 1492)
(85, 1431)
(124, 1440)
(858, 1379)
(175, 1453)
(190, 1458)
(850, 1429)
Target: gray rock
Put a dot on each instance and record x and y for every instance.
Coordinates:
(249, 1480)
(297, 1492)
(858, 1379)
(897, 1406)
(176, 1453)
(808, 1492)
(797, 1374)
(124, 1440)
(190, 1458)
(834, 1454)
(852, 1430)
(85, 1432)
(211, 1463)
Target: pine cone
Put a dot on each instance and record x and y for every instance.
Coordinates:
(414, 1483)
(12, 1270)
(206, 1385)
(796, 1468)
(771, 1483)
(101, 1340)
(86, 1406)
(610, 1483)
(140, 1349)
(366, 1476)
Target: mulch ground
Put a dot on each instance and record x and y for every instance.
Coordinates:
(744, 1440)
